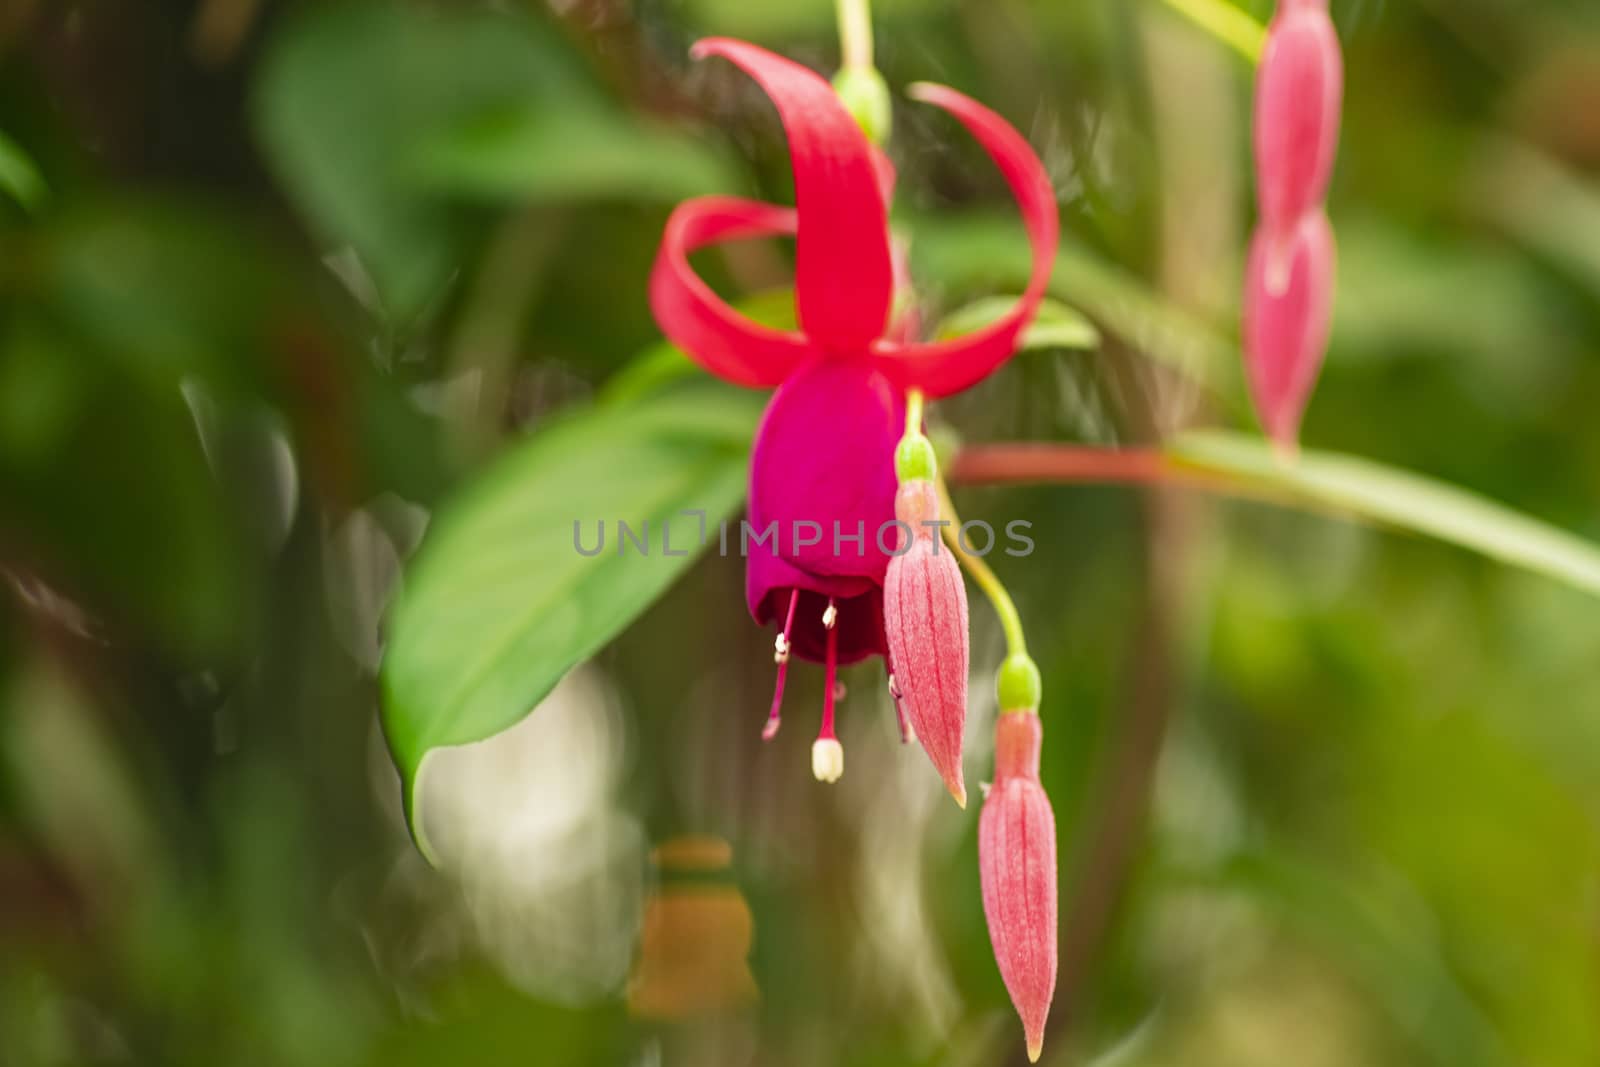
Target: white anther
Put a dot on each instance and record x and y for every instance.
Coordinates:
(827, 759)
(780, 649)
(839, 691)
(830, 616)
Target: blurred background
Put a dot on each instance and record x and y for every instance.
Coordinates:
(277, 278)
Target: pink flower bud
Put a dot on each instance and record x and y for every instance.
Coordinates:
(915, 503)
(1287, 304)
(925, 620)
(1298, 90)
(1017, 868)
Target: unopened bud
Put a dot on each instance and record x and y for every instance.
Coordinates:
(1017, 869)
(925, 620)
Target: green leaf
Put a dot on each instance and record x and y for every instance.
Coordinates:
(500, 604)
(379, 118)
(169, 290)
(984, 251)
(19, 177)
(349, 93)
(1055, 326)
(1226, 23)
(1367, 490)
(665, 363)
(579, 154)
(109, 495)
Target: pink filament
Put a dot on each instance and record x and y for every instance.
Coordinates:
(775, 717)
(829, 685)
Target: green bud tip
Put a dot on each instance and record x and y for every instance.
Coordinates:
(914, 459)
(1018, 685)
(866, 97)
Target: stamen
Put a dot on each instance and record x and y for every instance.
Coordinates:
(831, 615)
(827, 754)
(839, 691)
(780, 656)
(907, 734)
(832, 683)
(775, 716)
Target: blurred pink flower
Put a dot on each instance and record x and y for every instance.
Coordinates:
(1289, 280)
(1286, 328)
(1298, 90)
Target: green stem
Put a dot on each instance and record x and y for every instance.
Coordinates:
(855, 33)
(913, 412)
(986, 579)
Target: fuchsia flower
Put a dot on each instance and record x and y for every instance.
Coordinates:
(824, 451)
(925, 606)
(1289, 280)
(1017, 870)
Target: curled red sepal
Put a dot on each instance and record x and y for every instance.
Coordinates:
(1017, 869)
(944, 367)
(843, 280)
(697, 320)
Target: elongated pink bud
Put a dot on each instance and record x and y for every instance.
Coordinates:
(1298, 90)
(925, 619)
(1287, 304)
(1017, 868)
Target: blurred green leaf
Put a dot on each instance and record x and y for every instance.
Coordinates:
(347, 95)
(983, 251)
(1226, 23)
(500, 603)
(1055, 325)
(1467, 302)
(582, 153)
(377, 116)
(1372, 491)
(108, 492)
(167, 290)
(19, 177)
(1539, 201)
(665, 363)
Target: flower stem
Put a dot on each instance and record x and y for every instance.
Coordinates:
(987, 580)
(913, 412)
(855, 33)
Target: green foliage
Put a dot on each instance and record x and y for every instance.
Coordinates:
(530, 572)
(1367, 490)
(1055, 326)
(382, 119)
(19, 178)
